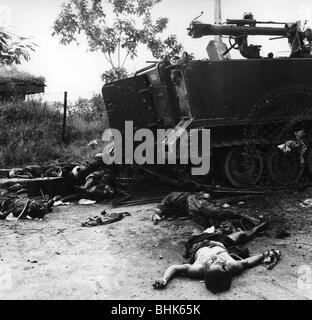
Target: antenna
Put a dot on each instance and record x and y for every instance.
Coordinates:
(217, 49)
(218, 17)
(202, 12)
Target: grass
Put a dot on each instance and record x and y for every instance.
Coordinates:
(30, 133)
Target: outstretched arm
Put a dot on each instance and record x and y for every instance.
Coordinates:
(187, 270)
(250, 262)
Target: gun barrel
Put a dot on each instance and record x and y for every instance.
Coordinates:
(251, 22)
(198, 30)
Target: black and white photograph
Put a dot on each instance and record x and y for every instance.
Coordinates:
(155, 151)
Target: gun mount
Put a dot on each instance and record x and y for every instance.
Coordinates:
(238, 31)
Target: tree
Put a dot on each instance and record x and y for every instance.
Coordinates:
(13, 48)
(116, 28)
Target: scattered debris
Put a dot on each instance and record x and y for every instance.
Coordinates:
(272, 258)
(93, 143)
(61, 203)
(210, 230)
(155, 218)
(307, 203)
(86, 202)
(10, 217)
(32, 261)
(291, 145)
(237, 199)
(32, 191)
(105, 218)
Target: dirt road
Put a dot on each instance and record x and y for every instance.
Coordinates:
(58, 259)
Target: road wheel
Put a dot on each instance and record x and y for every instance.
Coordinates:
(243, 168)
(284, 169)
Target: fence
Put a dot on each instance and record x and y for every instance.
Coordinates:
(87, 104)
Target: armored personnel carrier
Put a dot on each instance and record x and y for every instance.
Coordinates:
(251, 105)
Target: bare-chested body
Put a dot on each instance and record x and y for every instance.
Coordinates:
(205, 254)
(214, 253)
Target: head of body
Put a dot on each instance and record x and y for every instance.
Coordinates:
(217, 276)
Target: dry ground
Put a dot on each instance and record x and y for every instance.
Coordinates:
(58, 259)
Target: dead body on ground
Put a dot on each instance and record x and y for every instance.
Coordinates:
(23, 207)
(217, 258)
(200, 206)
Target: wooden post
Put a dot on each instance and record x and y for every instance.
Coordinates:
(64, 117)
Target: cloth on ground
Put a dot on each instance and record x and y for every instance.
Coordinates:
(204, 240)
(86, 202)
(105, 218)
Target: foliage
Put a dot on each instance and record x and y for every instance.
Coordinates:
(115, 28)
(30, 133)
(13, 48)
(88, 109)
(114, 74)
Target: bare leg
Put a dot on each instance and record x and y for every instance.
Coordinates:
(214, 212)
(245, 236)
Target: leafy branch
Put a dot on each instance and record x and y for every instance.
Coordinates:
(115, 28)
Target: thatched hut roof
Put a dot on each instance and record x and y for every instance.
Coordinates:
(13, 81)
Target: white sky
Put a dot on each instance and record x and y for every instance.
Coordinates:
(73, 69)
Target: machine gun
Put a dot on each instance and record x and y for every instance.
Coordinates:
(238, 30)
